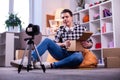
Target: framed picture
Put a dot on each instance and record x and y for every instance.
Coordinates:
(49, 17)
(53, 23)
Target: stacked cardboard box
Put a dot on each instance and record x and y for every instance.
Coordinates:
(112, 57)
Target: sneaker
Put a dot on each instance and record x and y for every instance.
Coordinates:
(16, 63)
(46, 64)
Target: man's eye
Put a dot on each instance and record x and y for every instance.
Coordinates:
(66, 16)
(63, 17)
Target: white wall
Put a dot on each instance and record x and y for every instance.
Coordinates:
(36, 12)
(69, 4)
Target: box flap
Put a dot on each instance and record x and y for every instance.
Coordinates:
(85, 36)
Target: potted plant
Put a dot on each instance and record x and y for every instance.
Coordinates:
(13, 21)
(80, 4)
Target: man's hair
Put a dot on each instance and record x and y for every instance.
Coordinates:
(67, 11)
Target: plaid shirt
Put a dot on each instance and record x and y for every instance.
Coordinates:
(63, 35)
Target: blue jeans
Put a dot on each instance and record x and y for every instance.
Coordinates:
(66, 58)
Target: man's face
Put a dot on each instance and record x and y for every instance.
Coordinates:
(67, 19)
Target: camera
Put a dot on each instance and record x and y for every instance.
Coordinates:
(32, 30)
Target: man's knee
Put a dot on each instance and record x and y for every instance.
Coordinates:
(78, 57)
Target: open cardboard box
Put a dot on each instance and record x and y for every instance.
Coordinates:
(76, 45)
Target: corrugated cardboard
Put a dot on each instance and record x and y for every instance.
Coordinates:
(111, 57)
(19, 54)
(112, 62)
(111, 52)
(76, 45)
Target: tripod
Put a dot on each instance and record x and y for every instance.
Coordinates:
(30, 44)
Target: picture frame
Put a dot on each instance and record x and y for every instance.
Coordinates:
(53, 23)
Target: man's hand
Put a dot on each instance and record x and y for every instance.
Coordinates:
(87, 44)
(67, 43)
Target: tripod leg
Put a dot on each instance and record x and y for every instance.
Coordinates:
(21, 64)
(42, 65)
(29, 58)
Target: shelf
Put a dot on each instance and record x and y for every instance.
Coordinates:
(83, 13)
(95, 21)
(84, 23)
(84, 10)
(99, 49)
(6, 48)
(107, 18)
(108, 33)
(104, 22)
(106, 3)
(97, 34)
(95, 6)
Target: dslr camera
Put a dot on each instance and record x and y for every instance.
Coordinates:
(32, 30)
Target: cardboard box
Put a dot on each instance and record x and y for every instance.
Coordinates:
(111, 52)
(112, 62)
(111, 57)
(19, 54)
(76, 45)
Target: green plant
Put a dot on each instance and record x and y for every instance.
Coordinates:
(13, 21)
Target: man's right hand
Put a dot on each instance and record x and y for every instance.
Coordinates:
(67, 43)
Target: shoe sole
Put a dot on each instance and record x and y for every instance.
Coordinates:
(17, 65)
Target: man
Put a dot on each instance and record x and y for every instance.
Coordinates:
(58, 47)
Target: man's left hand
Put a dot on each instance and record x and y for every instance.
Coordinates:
(87, 44)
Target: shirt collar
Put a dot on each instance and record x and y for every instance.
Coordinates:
(67, 28)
